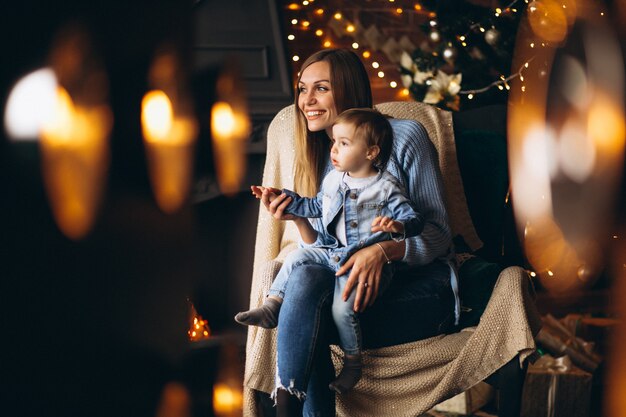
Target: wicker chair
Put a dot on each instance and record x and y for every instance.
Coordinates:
(408, 378)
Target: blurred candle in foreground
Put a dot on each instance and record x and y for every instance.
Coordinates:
(230, 129)
(566, 143)
(73, 143)
(230, 133)
(228, 387)
(169, 142)
(227, 400)
(75, 158)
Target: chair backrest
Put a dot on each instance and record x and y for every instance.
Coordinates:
(438, 124)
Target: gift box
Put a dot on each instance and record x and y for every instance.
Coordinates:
(554, 387)
(469, 401)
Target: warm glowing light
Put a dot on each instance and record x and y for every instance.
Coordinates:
(75, 158)
(367, 54)
(30, 103)
(306, 23)
(606, 127)
(319, 32)
(560, 154)
(175, 401)
(230, 129)
(399, 10)
(319, 12)
(338, 16)
(156, 115)
(226, 399)
(350, 28)
(223, 121)
(405, 92)
(169, 150)
(418, 7)
(293, 6)
(548, 20)
(198, 327)
(327, 44)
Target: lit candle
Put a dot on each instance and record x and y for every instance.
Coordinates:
(169, 141)
(75, 158)
(230, 130)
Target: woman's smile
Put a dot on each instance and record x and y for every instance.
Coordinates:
(315, 97)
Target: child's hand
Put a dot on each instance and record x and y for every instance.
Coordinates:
(387, 224)
(257, 191)
(274, 201)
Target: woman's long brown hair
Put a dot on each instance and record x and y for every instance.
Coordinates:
(351, 88)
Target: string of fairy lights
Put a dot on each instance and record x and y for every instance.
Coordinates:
(355, 25)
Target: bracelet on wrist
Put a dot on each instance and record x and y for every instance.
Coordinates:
(384, 253)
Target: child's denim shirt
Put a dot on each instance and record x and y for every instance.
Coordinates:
(383, 196)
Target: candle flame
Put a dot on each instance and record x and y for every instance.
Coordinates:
(156, 116)
(230, 130)
(223, 119)
(168, 139)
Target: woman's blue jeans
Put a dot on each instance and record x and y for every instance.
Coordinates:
(418, 304)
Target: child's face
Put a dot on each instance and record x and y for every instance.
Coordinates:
(350, 153)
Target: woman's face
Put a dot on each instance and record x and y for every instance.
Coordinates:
(316, 99)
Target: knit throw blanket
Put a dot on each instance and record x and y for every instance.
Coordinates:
(408, 379)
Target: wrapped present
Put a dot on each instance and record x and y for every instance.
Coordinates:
(469, 401)
(596, 330)
(554, 387)
(557, 339)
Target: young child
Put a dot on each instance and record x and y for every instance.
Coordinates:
(360, 204)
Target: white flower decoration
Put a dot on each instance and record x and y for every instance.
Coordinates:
(407, 63)
(443, 85)
(420, 77)
(407, 80)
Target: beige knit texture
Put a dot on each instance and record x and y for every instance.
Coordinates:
(407, 379)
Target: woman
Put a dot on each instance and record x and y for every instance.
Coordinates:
(330, 82)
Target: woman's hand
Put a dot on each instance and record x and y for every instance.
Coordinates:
(367, 265)
(274, 201)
